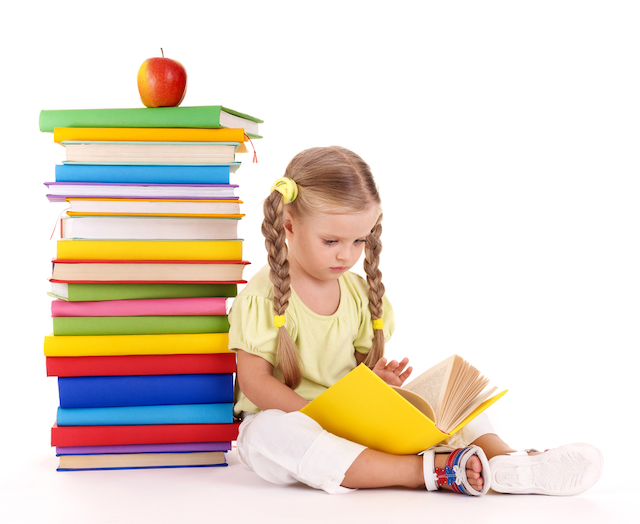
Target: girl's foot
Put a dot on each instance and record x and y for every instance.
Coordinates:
(460, 470)
(567, 470)
(473, 469)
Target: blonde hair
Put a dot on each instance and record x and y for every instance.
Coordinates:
(330, 180)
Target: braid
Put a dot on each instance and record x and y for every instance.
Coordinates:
(275, 236)
(373, 247)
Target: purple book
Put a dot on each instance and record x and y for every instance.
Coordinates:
(59, 191)
(182, 447)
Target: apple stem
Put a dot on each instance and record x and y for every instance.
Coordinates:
(162, 52)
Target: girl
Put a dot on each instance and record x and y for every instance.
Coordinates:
(304, 321)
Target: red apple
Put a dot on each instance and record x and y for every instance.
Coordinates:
(162, 82)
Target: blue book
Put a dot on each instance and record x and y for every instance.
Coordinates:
(144, 390)
(144, 174)
(146, 415)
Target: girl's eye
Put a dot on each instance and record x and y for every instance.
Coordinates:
(329, 242)
(361, 241)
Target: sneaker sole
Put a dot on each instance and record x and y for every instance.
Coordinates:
(567, 470)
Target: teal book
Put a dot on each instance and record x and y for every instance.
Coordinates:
(143, 174)
(221, 413)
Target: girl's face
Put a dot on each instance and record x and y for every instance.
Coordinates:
(323, 246)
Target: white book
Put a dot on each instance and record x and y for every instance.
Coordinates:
(149, 228)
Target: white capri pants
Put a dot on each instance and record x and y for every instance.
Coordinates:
(287, 448)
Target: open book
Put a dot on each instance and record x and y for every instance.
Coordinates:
(362, 408)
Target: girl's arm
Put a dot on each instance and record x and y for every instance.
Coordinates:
(256, 380)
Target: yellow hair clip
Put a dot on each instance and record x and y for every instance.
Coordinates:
(378, 323)
(279, 320)
(287, 188)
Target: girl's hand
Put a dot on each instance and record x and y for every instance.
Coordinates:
(394, 372)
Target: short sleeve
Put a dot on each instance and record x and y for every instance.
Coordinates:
(251, 326)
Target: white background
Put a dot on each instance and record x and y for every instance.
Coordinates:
(504, 137)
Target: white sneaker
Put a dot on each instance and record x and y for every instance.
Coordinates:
(567, 470)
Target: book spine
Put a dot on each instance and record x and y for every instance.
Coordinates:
(105, 345)
(141, 365)
(151, 434)
(95, 292)
(144, 390)
(149, 307)
(220, 413)
(142, 174)
(160, 325)
(148, 134)
(217, 250)
(181, 447)
(166, 117)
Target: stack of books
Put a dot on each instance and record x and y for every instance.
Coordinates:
(148, 256)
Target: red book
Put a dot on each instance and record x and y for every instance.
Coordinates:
(152, 434)
(141, 365)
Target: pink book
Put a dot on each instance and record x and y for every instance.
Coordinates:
(151, 307)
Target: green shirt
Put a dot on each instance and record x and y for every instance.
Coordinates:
(326, 343)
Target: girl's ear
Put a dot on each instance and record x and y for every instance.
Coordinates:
(288, 221)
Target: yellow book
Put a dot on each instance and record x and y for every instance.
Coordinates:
(108, 345)
(362, 408)
(137, 134)
(149, 250)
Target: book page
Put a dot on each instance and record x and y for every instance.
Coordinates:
(431, 384)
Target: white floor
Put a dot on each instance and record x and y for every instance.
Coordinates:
(35, 492)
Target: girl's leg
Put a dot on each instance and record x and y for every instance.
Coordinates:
(375, 469)
(492, 445)
(286, 448)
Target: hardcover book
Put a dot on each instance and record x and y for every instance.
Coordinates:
(106, 345)
(220, 413)
(119, 153)
(148, 228)
(141, 461)
(73, 292)
(151, 134)
(140, 325)
(186, 250)
(141, 307)
(176, 271)
(124, 365)
(154, 207)
(362, 408)
(144, 174)
(163, 117)
(142, 434)
(144, 390)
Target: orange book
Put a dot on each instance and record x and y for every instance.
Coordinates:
(139, 134)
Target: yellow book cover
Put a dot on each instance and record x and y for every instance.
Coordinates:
(137, 134)
(362, 408)
(149, 250)
(106, 345)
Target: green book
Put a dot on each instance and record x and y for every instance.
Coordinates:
(164, 325)
(85, 292)
(145, 117)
